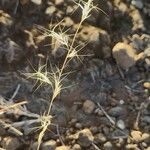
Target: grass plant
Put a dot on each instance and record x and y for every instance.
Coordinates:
(56, 77)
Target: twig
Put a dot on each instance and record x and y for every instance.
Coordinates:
(95, 146)
(60, 138)
(16, 7)
(15, 93)
(105, 113)
(6, 125)
(3, 110)
(120, 72)
(136, 124)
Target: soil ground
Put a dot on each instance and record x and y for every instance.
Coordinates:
(107, 106)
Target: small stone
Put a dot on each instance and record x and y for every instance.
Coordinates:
(148, 148)
(121, 102)
(63, 148)
(10, 143)
(120, 142)
(137, 3)
(73, 121)
(118, 134)
(78, 125)
(136, 135)
(94, 129)
(108, 146)
(147, 52)
(67, 22)
(2, 131)
(85, 138)
(11, 51)
(50, 10)
(100, 138)
(145, 136)
(146, 119)
(146, 85)
(137, 20)
(99, 112)
(76, 147)
(37, 2)
(144, 144)
(131, 146)
(124, 55)
(123, 7)
(49, 145)
(88, 107)
(121, 124)
(137, 42)
(116, 111)
(106, 130)
(99, 41)
(5, 19)
(59, 2)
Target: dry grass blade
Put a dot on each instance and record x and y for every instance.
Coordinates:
(45, 122)
(12, 106)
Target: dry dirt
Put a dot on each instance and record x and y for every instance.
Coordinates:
(107, 106)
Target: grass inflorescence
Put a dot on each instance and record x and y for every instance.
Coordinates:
(55, 78)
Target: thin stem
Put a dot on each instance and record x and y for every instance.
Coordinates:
(64, 64)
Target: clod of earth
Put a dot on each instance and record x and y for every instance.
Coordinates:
(125, 55)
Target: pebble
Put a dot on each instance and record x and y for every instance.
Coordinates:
(11, 51)
(108, 146)
(138, 22)
(147, 52)
(145, 136)
(100, 138)
(137, 42)
(2, 131)
(148, 148)
(146, 85)
(94, 130)
(37, 2)
(116, 111)
(124, 55)
(123, 7)
(50, 10)
(137, 3)
(121, 124)
(136, 135)
(63, 148)
(106, 130)
(73, 121)
(117, 134)
(34, 146)
(68, 22)
(131, 146)
(146, 119)
(85, 138)
(78, 125)
(144, 144)
(59, 2)
(10, 143)
(5, 19)
(88, 107)
(99, 41)
(99, 112)
(121, 102)
(51, 144)
(120, 142)
(76, 147)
